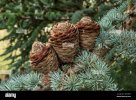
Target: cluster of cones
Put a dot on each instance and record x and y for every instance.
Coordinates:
(63, 45)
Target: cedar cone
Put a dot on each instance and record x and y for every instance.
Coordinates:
(64, 39)
(43, 58)
(88, 32)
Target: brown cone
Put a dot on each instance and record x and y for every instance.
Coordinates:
(43, 58)
(88, 32)
(64, 39)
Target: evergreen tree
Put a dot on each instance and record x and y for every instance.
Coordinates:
(110, 66)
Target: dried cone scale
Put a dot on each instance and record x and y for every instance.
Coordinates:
(43, 58)
(65, 40)
(88, 32)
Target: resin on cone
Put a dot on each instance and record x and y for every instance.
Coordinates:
(43, 58)
(65, 40)
(88, 32)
